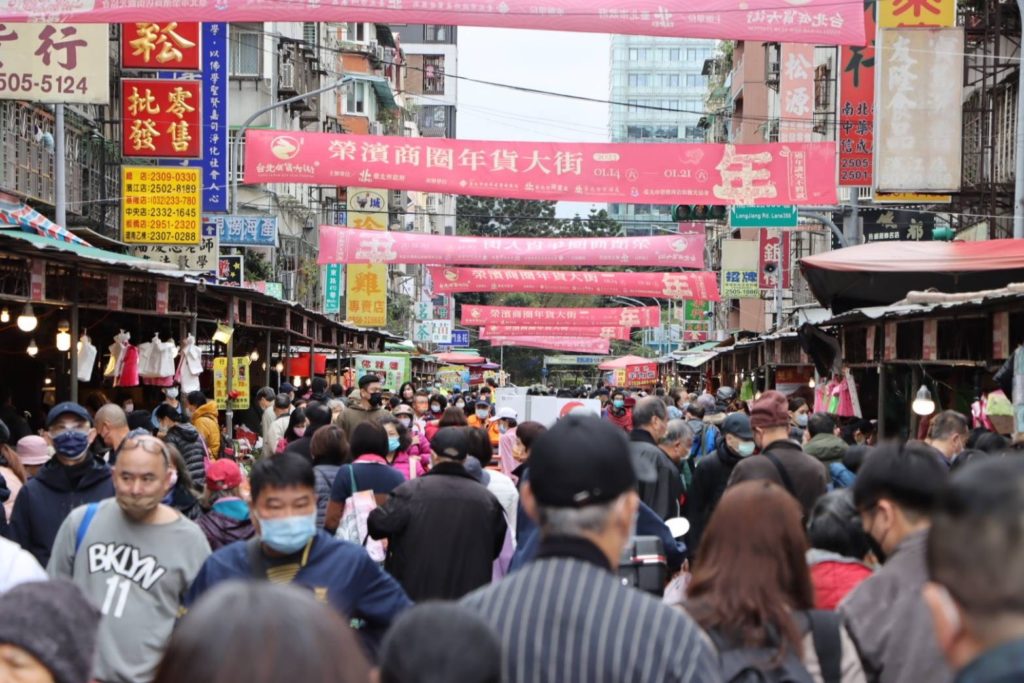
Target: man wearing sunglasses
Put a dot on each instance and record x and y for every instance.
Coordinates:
(73, 477)
(134, 558)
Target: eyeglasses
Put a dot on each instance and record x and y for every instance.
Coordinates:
(155, 446)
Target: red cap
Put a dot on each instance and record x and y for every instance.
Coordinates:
(223, 474)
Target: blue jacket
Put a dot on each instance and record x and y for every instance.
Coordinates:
(47, 498)
(842, 478)
(338, 572)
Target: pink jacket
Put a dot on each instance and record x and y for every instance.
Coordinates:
(420, 447)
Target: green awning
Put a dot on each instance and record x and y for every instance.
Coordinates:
(701, 348)
(381, 86)
(93, 253)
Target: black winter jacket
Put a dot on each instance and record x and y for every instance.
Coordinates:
(661, 495)
(47, 498)
(186, 439)
(444, 531)
(709, 482)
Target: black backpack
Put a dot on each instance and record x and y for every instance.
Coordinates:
(751, 665)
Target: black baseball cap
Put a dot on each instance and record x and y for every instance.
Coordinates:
(67, 408)
(738, 424)
(584, 460)
(450, 442)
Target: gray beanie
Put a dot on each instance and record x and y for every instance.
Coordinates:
(54, 622)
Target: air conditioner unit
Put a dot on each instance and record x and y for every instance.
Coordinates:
(376, 128)
(286, 76)
(378, 52)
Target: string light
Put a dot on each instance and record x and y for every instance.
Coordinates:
(923, 403)
(32, 349)
(5, 315)
(27, 321)
(63, 336)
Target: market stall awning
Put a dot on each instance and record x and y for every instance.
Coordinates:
(16, 214)
(882, 273)
(624, 362)
(695, 360)
(460, 359)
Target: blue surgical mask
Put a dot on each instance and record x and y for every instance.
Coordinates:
(745, 449)
(502, 427)
(801, 420)
(393, 444)
(619, 403)
(288, 534)
(71, 444)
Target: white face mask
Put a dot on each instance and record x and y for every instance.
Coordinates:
(172, 393)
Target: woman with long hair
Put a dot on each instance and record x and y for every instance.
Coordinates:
(406, 392)
(451, 417)
(751, 587)
(297, 424)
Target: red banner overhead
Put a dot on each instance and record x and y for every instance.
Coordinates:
(810, 21)
(694, 286)
(648, 316)
(658, 173)
(594, 345)
(492, 331)
(350, 245)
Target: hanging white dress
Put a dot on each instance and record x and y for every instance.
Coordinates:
(86, 358)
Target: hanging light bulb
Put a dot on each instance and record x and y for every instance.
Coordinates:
(254, 356)
(27, 321)
(47, 381)
(296, 381)
(811, 383)
(5, 315)
(279, 368)
(32, 349)
(63, 336)
(923, 403)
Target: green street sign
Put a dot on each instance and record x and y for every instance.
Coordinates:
(763, 217)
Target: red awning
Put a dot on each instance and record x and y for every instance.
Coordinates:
(882, 273)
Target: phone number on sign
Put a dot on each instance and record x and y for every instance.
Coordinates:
(46, 83)
(161, 236)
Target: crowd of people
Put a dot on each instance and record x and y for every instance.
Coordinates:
(424, 535)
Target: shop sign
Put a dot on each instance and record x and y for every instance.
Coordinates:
(1001, 334)
(239, 397)
(115, 292)
(392, 370)
(214, 137)
(894, 13)
(857, 107)
(161, 118)
(332, 288)
(231, 269)
(796, 93)
(201, 257)
(54, 63)
(163, 295)
(37, 280)
(739, 270)
(763, 217)
(930, 340)
(248, 231)
(438, 331)
(170, 45)
(161, 205)
(773, 247)
(366, 285)
(890, 342)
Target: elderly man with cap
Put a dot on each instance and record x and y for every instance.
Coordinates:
(650, 420)
(781, 460)
(368, 406)
(566, 617)
(72, 478)
(444, 529)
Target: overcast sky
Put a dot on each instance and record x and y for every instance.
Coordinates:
(573, 63)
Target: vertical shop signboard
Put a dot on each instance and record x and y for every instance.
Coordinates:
(366, 285)
(857, 107)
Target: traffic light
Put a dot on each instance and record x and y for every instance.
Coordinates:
(698, 212)
(943, 234)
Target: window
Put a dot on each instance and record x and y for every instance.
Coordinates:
(695, 81)
(311, 34)
(634, 106)
(639, 80)
(355, 32)
(693, 104)
(433, 75)
(356, 97)
(435, 33)
(246, 53)
(675, 55)
(634, 54)
(694, 133)
(671, 104)
(642, 209)
(691, 54)
(669, 80)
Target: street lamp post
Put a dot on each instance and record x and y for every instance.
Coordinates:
(237, 144)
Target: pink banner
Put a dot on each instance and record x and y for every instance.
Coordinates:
(796, 93)
(648, 316)
(658, 173)
(695, 286)
(581, 345)
(350, 245)
(812, 21)
(622, 333)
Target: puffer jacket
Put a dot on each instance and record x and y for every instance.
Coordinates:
(827, 448)
(323, 476)
(187, 440)
(834, 576)
(228, 521)
(709, 482)
(205, 420)
(419, 447)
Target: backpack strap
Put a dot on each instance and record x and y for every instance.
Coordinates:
(90, 512)
(783, 474)
(827, 643)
